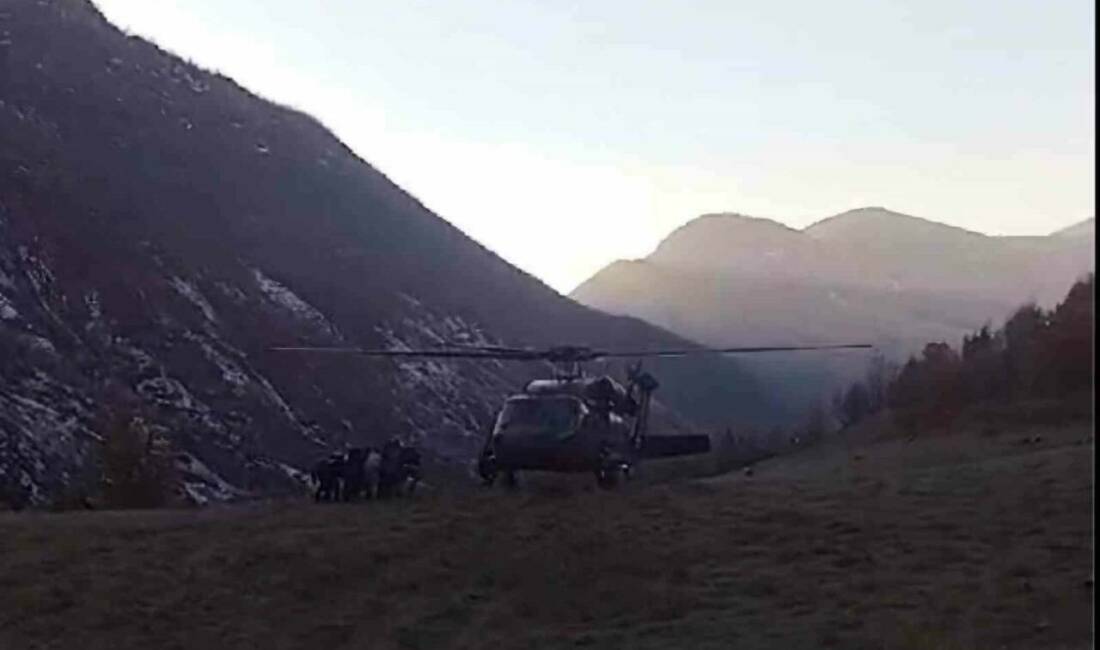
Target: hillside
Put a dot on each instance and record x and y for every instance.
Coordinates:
(870, 275)
(161, 228)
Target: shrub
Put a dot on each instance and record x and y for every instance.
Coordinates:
(137, 470)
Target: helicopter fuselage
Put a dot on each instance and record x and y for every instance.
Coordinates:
(582, 446)
(585, 424)
(566, 425)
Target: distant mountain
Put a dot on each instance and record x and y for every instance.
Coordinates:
(1086, 228)
(865, 275)
(161, 228)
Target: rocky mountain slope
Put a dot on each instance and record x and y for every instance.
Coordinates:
(869, 275)
(161, 228)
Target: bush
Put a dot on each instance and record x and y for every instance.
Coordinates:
(137, 470)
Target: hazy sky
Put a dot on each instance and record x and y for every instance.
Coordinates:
(564, 135)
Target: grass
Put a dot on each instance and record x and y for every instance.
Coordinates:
(960, 541)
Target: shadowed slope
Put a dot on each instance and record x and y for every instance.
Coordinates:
(160, 228)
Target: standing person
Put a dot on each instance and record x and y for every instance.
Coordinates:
(327, 473)
(389, 470)
(355, 472)
(372, 473)
(410, 467)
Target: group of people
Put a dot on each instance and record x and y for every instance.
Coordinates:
(366, 473)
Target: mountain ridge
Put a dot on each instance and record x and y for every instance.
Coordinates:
(720, 220)
(871, 216)
(868, 275)
(1083, 228)
(866, 222)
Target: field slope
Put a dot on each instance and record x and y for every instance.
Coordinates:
(960, 541)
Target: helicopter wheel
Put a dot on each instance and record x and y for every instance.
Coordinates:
(487, 469)
(511, 480)
(608, 477)
(610, 470)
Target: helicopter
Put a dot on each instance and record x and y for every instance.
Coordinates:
(573, 422)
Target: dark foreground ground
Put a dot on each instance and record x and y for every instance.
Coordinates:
(962, 541)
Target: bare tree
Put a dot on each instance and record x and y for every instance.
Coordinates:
(853, 405)
(880, 374)
(137, 470)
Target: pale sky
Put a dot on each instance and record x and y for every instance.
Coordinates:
(564, 135)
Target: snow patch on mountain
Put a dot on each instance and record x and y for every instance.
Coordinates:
(37, 271)
(191, 293)
(44, 436)
(232, 292)
(201, 485)
(95, 307)
(288, 300)
(231, 373)
(439, 394)
(7, 309)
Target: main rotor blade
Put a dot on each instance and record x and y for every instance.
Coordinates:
(472, 353)
(740, 350)
(563, 354)
(493, 349)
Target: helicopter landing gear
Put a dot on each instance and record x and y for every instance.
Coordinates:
(487, 468)
(610, 476)
(612, 471)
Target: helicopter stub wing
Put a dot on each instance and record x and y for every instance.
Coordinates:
(674, 445)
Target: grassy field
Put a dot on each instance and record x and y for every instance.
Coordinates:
(969, 540)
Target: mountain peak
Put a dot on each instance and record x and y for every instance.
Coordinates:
(732, 219)
(752, 244)
(723, 229)
(876, 222)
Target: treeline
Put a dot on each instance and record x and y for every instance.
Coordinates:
(1037, 354)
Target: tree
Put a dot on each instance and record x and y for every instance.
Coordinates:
(905, 390)
(1070, 341)
(983, 371)
(928, 389)
(816, 424)
(942, 381)
(853, 406)
(880, 374)
(1036, 353)
(1024, 334)
(137, 471)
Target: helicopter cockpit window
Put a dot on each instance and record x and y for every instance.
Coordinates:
(543, 414)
